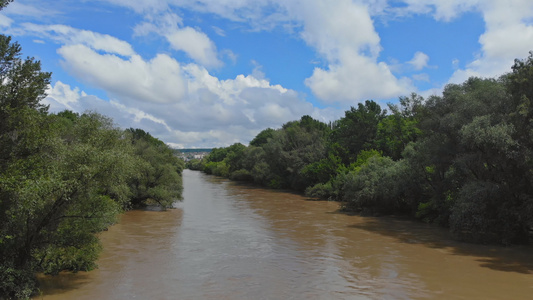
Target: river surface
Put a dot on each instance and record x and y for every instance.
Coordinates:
(228, 240)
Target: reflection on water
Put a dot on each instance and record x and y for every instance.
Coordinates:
(232, 241)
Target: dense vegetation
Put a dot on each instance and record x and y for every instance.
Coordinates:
(65, 177)
(462, 160)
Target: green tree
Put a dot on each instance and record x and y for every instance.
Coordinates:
(54, 200)
(22, 134)
(357, 130)
(63, 178)
(4, 3)
(293, 147)
(395, 131)
(158, 172)
(376, 186)
(262, 137)
(22, 86)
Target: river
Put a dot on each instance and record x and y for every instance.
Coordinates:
(229, 240)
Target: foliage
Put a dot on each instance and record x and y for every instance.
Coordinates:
(375, 187)
(357, 130)
(293, 147)
(195, 164)
(400, 128)
(55, 199)
(241, 175)
(64, 177)
(158, 176)
(262, 137)
(461, 160)
(4, 3)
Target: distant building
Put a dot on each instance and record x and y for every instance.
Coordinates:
(187, 156)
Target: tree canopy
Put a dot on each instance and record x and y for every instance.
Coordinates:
(65, 177)
(462, 160)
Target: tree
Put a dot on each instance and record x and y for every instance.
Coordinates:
(292, 148)
(22, 87)
(63, 178)
(4, 3)
(395, 131)
(54, 200)
(357, 130)
(262, 137)
(157, 179)
(376, 186)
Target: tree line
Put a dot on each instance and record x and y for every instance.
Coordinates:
(462, 160)
(65, 177)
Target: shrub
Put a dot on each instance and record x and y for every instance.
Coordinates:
(241, 175)
(376, 187)
(320, 190)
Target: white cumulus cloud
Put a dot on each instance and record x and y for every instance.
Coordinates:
(72, 36)
(158, 80)
(356, 79)
(196, 44)
(186, 104)
(182, 104)
(419, 61)
(508, 32)
(345, 36)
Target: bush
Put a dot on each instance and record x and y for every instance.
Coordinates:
(320, 190)
(241, 175)
(482, 215)
(261, 173)
(16, 283)
(195, 164)
(221, 169)
(276, 183)
(376, 187)
(209, 167)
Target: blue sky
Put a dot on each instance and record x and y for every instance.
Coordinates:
(209, 73)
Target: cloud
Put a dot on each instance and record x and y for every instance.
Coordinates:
(132, 78)
(455, 63)
(444, 11)
(34, 9)
(5, 21)
(61, 96)
(419, 61)
(508, 33)
(356, 79)
(182, 104)
(219, 31)
(347, 27)
(251, 12)
(508, 36)
(230, 55)
(352, 29)
(195, 43)
(344, 35)
(257, 72)
(171, 96)
(71, 36)
(421, 77)
(142, 6)
(203, 119)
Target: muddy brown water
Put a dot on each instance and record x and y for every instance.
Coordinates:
(228, 240)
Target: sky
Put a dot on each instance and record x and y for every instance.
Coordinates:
(211, 73)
